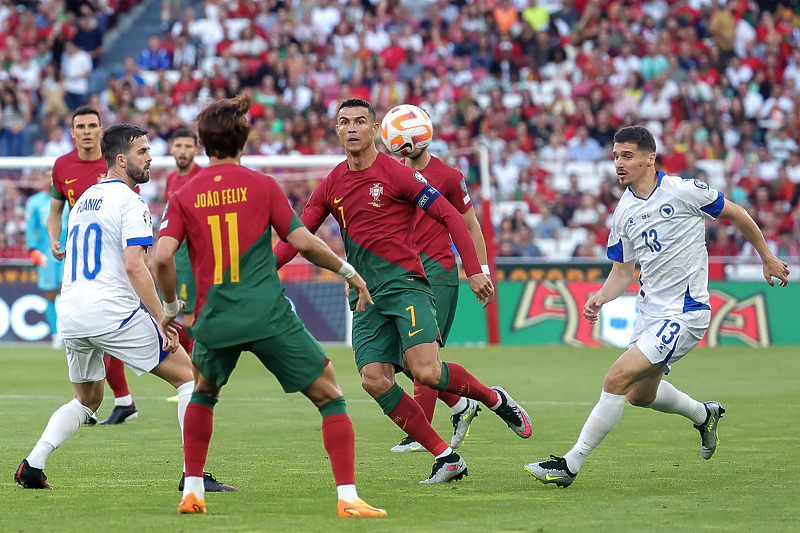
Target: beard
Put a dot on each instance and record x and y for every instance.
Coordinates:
(138, 174)
(183, 165)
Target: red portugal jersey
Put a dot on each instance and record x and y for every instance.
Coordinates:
(72, 176)
(225, 213)
(175, 182)
(433, 239)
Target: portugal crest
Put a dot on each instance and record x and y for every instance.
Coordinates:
(376, 191)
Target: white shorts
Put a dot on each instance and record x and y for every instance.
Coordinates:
(666, 339)
(137, 344)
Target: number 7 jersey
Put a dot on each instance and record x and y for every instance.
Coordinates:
(666, 233)
(96, 295)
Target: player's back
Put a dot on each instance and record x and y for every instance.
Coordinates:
(432, 238)
(73, 175)
(97, 295)
(226, 213)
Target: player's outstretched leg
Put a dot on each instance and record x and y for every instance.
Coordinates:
(705, 416)
(455, 379)
(63, 423)
(198, 426)
(124, 408)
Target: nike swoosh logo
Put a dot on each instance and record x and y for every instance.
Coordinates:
(548, 477)
(67, 182)
(337, 200)
(412, 333)
(415, 448)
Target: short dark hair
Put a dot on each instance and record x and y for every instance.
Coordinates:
(223, 126)
(86, 110)
(118, 140)
(184, 132)
(638, 135)
(358, 102)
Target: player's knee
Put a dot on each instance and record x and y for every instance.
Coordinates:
(640, 399)
(615, 382)
(375, 385)
(428, 376)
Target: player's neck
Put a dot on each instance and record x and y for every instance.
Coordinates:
(224, 161)
(91, 154)
(117, 173)
(186, 171)
(420, 162)
(364, 159)
(644, 186)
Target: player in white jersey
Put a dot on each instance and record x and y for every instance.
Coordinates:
(105, 276)
(659, 221)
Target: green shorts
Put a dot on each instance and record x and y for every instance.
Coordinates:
(401, 318)
(446, 302)
(186, 290)
(294, 357)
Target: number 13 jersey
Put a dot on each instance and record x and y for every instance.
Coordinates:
(96, 295)
(666, 233)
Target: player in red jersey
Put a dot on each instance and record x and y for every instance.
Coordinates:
(73, 173)
(439, 262)
(374, 199)
(226, 213)
(184, 148)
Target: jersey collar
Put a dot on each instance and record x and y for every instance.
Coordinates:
(658, 184)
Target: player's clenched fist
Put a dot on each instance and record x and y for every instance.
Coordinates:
(592, 308)
(482, 286)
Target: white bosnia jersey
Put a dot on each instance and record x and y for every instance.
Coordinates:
(666, 233)
(96, 295)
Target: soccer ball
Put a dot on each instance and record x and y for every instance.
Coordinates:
(406, 130)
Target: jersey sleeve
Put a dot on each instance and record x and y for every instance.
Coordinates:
(282, 216)
(137, 224)
(56, 190)
(620, 248)
(314, 214)
(699, 196)
(456, 192)
(173, 222)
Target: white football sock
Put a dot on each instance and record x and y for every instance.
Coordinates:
(184, 395)
(194, 484)
(671, 400)
(460, 405)
(347, 493)
(601, 421)
(123, 401)
(63, 423)
(445, 453)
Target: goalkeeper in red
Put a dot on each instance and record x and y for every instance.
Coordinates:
(374, 199)
(226, 214)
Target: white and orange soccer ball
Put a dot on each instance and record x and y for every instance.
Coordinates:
(406, 130)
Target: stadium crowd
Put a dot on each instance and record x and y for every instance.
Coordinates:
(543, 85)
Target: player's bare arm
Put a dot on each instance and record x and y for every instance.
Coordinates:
(615, 285)
(54, 228)
(772, 266)
(163, 267)
(474, 228)
(142, 281)
(315, 250)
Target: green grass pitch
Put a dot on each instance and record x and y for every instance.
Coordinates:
(646, 476)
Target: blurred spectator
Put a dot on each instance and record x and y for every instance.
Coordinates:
(154, 56)
(15, 114)
(76, 67)
(524, 246)
(584, 148)
(59, 143)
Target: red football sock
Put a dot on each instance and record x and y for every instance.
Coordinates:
(409, 417)
(447, 397)
(463, 383)
(198, 424)
(426, 398)
(115, 376)
(340, 443)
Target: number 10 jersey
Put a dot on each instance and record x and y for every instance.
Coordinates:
(96, 295)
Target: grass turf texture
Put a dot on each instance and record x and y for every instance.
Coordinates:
(647, 475)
